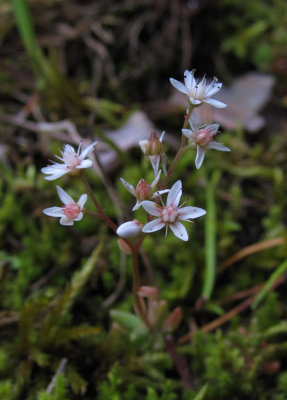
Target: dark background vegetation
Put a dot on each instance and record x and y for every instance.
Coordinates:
(99, 62)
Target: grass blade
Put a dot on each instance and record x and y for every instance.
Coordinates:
(210, 238)
(268, 285)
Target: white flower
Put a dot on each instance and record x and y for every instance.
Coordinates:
(130, 229)
(143, 191)
(72, 161)
(71, 211)
(198, 92)
(201, 137)
(153, 149)
(171, 214)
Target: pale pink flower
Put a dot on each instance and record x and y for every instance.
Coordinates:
(143, 190)
(72, 161)
(71, 211)
(170, 215)
(201, 137)
(198, 92)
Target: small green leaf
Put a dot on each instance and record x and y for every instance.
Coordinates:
(200, 395)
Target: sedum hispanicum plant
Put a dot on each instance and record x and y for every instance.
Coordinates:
(160, 214)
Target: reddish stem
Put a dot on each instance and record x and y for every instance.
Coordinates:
(179, 153)
(179, 362)
(102, 214)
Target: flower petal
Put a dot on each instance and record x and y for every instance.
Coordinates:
(199, 157)
(179, 230)
(85, 164)
(87, 150)
(128, 186)
(188, 133)
(82, 200)
(215, 103)
(217, 146)
(56, 170)
(151, 207)
(51, 169)
(56, 175)
(66, 221)
(163, 163)
(194, 101)
(186, 213)
(137, 206)
(161, 136)
(79, 217)
(159, 192)
(156, 179)
(174, 194)
(213, 128)
(155, 164)
(54, 211)
(153, 226)
(143, 144)
(178, 85)
(212, 89)
(189, 80)
(69, 149)
(64, 197)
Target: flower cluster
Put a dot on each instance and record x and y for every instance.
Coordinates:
(168, 215)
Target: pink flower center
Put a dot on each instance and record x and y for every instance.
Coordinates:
(72, 210)
(72, 160)
(203, 137)
(169, 214)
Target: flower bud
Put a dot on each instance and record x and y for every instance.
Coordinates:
(153, 146)
(143, 191)
(130, 229)
(148, 292)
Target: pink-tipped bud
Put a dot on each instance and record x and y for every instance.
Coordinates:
(172, 321)
(148, 292)
(125, 248)
(130, 229)
(143, 191)
(153, 146)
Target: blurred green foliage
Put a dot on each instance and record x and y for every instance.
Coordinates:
(254, 31)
